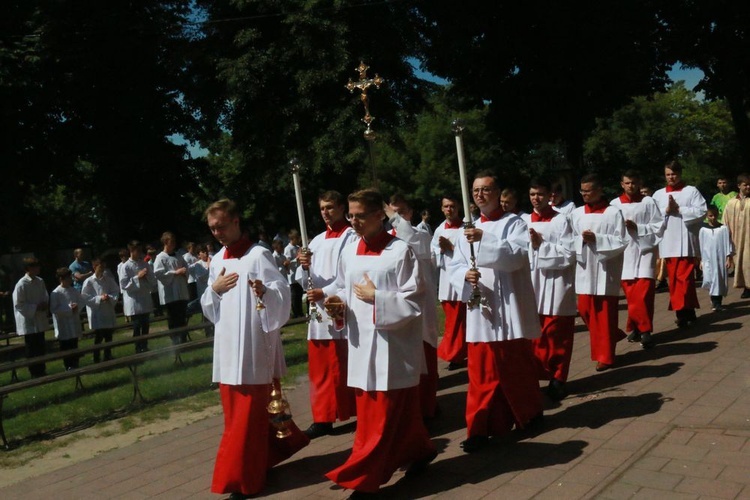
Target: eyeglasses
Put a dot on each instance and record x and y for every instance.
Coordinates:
(483, 190)
(359, 217)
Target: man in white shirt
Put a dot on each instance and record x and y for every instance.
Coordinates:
(683, 208)
(552, 261)
(599, 239)
(399, 212)
(503, 386)
(247, 299)
(452, 347)
(645, 226)
(136, 283)
(377, 291)
(330, 396)
(31, 304)
(171, 273)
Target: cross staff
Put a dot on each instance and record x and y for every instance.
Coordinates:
(362, 85)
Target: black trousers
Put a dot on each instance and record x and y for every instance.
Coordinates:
(70, 362)
(103, 334)
(141, 324)
(177, 317)
(35, 346)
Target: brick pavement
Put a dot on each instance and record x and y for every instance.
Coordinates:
(670, 422)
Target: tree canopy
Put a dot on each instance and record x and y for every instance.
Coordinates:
(93, 92)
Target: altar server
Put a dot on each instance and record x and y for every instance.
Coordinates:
(248, 301)
(377, 292)
(552, 260)
(503, 387)
(684, 209)
(645, 227)
(599, 240)
(330, 396)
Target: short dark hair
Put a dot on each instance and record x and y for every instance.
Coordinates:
(631, 174)
(674, 166)
(399, 198)
(135, 244)
(743, 177)
(62, 272)
(337, 198)
(541, 182)
(713, 209)
(591, 179)
(30, 262)
(370, 198)
(488, 173)
(451, 197)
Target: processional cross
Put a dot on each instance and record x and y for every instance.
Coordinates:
(363, 84)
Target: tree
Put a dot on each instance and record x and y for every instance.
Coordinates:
(646, 133)
(714, 36)
(547, 69)
(276, 72)
(94, 93)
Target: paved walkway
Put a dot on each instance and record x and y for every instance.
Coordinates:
(670, 422)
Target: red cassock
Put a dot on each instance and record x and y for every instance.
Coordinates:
(453, 346)
(390, 435)
(249, 446)
(554, 348)
(503, 388)
(682, 294)
(599, 312)
(330, 397)
(428, 383)
(639, 293)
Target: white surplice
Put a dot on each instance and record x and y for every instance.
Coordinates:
(172, 287)
(67, 321)
(640, 254)
(419, 240)
(385, 344)
(681, 230)
(136, 292)
(247, 344)
(326, 253)
(503, 261)
(553, 266)
(599, 264)
(443, 259)
(716, 246)
(101, 313)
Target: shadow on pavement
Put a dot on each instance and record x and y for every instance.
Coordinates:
(600, 411)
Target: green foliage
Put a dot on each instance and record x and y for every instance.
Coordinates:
(646, 133)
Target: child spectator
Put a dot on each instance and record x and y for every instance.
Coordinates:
(290, 251)
(716, 252)
(63, 303)
(100, 293)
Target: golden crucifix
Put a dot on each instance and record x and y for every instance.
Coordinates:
(363, 84)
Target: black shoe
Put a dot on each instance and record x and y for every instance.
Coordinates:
(556, 390)
(600, 367)
(362, 494)
(456, 365)
(646, 341)
(745, 294)
(419, 466)
(635, 336)
(239, 496)
(318, 429)
(536, 423)
(474, 443)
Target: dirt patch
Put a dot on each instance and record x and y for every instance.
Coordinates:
(88, 443)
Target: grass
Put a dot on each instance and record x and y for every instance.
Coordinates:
(35, 416)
